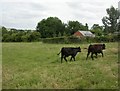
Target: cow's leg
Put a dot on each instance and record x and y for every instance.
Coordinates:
(65, 59)
(74, 58)
(96, 55)
(102, 54)
(92, 56)
(61, 58)
(71, 58)
(87, 55)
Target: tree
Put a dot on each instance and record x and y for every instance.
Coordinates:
(50, 27)
(96, 26)
(86, 27)
(74, 26)
(34, 36)
(4, 31)
(0, 34)
(110, 21)
(118, 26)
(97, 30)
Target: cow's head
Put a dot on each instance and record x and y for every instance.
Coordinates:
(103, 46)
(79, 49)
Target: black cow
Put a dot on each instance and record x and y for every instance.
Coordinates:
(69, 51)
(94, 49)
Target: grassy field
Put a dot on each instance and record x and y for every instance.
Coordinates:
(37, 66)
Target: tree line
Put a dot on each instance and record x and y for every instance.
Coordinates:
(54, 27)
(14, 35)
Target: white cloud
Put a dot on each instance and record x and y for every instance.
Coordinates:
(27, 13)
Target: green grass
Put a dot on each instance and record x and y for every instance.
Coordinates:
(37, 66)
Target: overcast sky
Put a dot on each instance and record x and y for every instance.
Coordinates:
(25, 14)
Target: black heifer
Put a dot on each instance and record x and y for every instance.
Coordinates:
(69, 51)
(94, 49)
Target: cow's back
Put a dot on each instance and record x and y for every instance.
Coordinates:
(69, 51)
(66, 51)
(95, 48)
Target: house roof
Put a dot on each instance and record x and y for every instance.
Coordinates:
(87, 33)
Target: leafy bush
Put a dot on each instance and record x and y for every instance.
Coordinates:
(19, 36)
(72, 39)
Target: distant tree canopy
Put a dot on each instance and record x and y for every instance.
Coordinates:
(53, 27)
(14, 35)
(97, 30)
(50, 27)
(110, 21)
(74, 26)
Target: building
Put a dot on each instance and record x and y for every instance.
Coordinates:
(84, 34)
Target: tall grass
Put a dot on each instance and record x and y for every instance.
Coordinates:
(37, 66)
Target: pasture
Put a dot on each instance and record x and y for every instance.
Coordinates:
(36, 65)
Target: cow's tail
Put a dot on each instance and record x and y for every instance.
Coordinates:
(59, 53)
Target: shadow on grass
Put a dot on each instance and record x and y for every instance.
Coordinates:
(59, 61)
